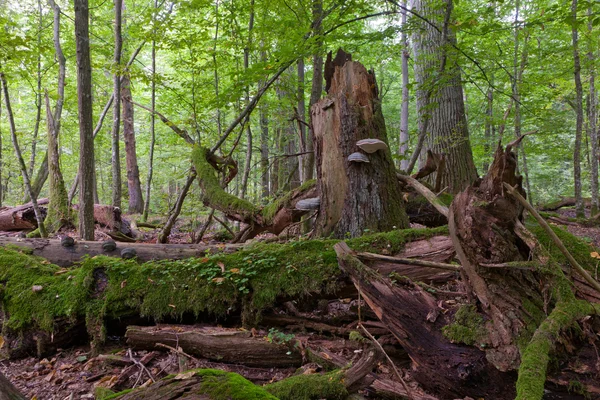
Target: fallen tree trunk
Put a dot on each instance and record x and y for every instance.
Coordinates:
(8, 391)
(53, 251)
(43, 303)
(20, 218)
(412, 315)
(226, 346)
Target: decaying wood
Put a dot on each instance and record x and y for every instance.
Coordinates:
(564, 202)
(53, 251)
(8, 391)
(354, 196)
(225, 346)
(414, 318)
(552, 235)
(133, 369)
(407, 261)
(425, 192)
(21, 217)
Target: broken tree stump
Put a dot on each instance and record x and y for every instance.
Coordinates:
(356, 174)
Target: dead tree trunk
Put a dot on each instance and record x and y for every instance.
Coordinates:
(8, 391)
(358, 185)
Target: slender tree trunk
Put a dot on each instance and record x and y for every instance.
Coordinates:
(38, 95)
(489, 127)
(264, 142)
(248, 163)
(163, 237)
(303, 159)
(440, 100)
(275, 165)
(592, 118)
(13, 132)
(1, 158)
(86, 134)
(116, 157)
(136, 202)
(317, 81)
(403, 148)
(579, 110)
(59, 212)
(516, 94)
(152, 125)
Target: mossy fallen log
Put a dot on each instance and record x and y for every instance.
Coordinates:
(234, 347)
(206, 384)
(42, 301)
(53, 250)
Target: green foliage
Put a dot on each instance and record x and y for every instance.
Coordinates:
(327, 386)
(277, 337)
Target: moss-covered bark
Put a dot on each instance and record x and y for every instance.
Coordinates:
(249, 281)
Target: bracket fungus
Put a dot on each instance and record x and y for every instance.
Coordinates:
(358, 158)
(309, 204)
(371, 145)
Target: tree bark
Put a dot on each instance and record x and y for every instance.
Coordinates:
(226, 346)
(59, 212)
(152, 127)
(13, 133)
(163, 237)
(136, 202)
(317, 82)
(354, 196)
(248, 162)
(53, 251)
(86, 136)
(579, 113)
(441, 109)
(592, 118)
(115, 156)
(8, 391)
(404, 137)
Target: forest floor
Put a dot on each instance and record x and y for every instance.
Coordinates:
(75, 374)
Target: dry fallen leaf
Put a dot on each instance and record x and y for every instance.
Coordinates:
(124, 283)
(218, 280)
(184, 375)
(234, 270)
(222, 266)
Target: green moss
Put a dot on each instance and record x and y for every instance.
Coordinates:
(251, 279)
(269, 211)
(534, 361)
(218, 385)
(213, 192)
(467, 328)
(117, 395)
(328, 386)
(578, 388)
(102, 393)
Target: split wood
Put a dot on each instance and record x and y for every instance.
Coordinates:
(511, 190)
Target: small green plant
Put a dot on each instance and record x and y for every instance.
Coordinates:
(277, 337)
(355, 336)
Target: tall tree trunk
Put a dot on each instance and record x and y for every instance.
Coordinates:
(302, 159)
(579, 110)
(86, 134)
(1, 158)
(441, 109)
(38, 94)
(592, 118)
(403, 148)
(516, 94)
(152, 124)
(40, 179)
(317, 81)
(489, 127)
(13, 133)
(59, 212)
(136, 202)
(116, 157)
(248, 163)
(264, 141)
(276, 164)
(354, 196)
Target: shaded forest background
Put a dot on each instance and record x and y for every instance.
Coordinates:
(516, 60)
